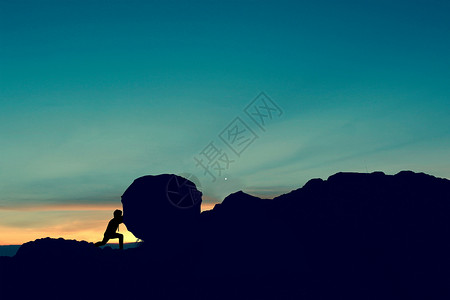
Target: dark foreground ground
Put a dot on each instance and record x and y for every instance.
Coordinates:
(353, 236)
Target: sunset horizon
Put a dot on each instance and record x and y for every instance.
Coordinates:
(225, 149)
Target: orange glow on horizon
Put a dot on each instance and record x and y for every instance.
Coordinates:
(83, 222)
(13, 236)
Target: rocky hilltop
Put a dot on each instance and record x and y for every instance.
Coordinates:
(352, 236)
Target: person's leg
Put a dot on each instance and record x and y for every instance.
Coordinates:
(118, 236)
(120, 240)
(103, 242)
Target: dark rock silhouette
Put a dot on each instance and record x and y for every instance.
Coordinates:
(352, 236)
(362, 236)
(155, 206)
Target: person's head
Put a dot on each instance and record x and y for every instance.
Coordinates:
(117, 213)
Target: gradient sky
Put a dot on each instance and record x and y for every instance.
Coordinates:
(94, 94)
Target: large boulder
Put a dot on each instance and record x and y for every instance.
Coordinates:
(161, 208)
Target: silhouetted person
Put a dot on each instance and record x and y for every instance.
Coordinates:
(110, 232)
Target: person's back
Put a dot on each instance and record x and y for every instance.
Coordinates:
(113, 225)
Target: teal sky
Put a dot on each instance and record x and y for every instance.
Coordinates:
(94, 94)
